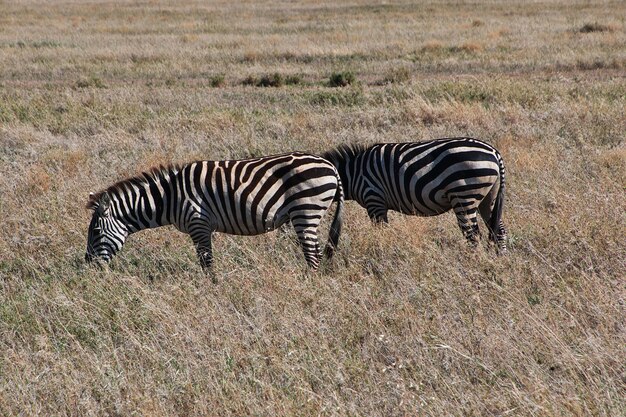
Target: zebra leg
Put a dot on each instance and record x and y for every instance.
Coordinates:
(307, 236)
(466, 217)
(497, 236)
(501, 238)
(486, 208)
(202, 241)
(204, 251)
(378, 213)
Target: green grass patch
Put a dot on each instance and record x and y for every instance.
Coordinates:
(293, 79)
(272, 80)
(268, 80)
(347, 98)
(90, 82)
(218, 80)
(462, 92)
(341, 79)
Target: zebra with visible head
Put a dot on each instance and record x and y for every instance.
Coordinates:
(426, 179)
(244, 197)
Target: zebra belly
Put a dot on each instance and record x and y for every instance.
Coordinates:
(410, 205)
(414, 209)
(257, 227)
(441, 201)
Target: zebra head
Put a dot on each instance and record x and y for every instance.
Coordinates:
(106, 232)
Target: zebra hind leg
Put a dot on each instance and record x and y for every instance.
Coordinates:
(501, 238)
(307, 236)
(498, 236)
(468, 223)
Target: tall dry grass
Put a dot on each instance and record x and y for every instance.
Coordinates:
(406, 320)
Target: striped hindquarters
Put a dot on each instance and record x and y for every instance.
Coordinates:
(432, 177)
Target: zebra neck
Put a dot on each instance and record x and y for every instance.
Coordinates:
(146, 209)
(346, 167)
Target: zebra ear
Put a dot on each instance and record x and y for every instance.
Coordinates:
(92, 203)
(104, 204)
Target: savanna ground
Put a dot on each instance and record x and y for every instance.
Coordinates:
(406, 320)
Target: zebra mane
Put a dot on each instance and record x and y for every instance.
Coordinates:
(153, 174)
(344, 151)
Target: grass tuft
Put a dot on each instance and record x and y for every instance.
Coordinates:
(269, 80)
(467, 47)
(437, 47)
(341, 79)
(38, 44)
(596, 27)
(218, 80)
(600, 63)
(397, 76)
(92, 81)
(347, 98)
(294, 79)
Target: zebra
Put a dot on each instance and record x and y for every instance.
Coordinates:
(427, 179)
(240, 197)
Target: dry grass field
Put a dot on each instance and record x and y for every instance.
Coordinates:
(406, 320)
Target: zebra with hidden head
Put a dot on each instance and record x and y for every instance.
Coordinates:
(426, 179)
(243, 197)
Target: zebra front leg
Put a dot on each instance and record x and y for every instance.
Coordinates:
(202, 241)
(378, 214)
(469, 224)
(307, 236)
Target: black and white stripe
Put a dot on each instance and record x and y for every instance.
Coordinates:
(426, 179)
(245, 197)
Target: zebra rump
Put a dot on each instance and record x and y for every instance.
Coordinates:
(463, 174)
(242, 197)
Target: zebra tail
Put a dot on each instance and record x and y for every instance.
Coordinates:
(335, 227)
(496, 213)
